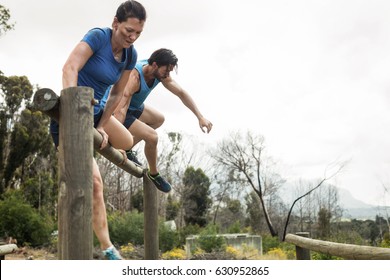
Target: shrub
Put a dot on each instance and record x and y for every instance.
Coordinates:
(175, 254)
(235, 228)
(187, 231)
(126, 228)
(321, 256)
(230, 250)
(289, 250)
(209, 241)
(127, 250)
(21, 221)
(386, 241)
(270, 242)
(276, 254)
(249, 253)
(129, 228)
(168, 238)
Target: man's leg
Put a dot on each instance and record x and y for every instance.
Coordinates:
(142, 131)
(152, 118)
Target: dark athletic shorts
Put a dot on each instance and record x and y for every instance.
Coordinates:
(54, 127)
(132, 115)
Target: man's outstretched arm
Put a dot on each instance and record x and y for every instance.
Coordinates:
(188, 101)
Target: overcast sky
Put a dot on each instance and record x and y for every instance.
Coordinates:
(312, 77)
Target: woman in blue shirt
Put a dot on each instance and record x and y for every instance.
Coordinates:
(105, 57)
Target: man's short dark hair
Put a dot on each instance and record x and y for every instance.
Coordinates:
(163, 57)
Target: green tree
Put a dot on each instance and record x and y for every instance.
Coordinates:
(16, 91)
(27, 157)
(3, 138)
(29, 137)
(13, 91)
(231, 213)
(324, 217)
(5, 16)
(172, 208)
(254, 214)
(137, 200)
(196, 200)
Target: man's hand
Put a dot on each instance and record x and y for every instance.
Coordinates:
(204, 123)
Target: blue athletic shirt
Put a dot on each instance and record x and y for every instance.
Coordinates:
(140, 96)
(101, 69)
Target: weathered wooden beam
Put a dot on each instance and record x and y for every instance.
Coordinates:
(7, 249)
(346, 251)
(47, 101)
(75, 234)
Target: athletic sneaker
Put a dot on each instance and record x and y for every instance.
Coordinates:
(112, 254)
(160, 182)
(133, 157)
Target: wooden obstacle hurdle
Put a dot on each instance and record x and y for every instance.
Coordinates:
(347, 251)
(74, 112)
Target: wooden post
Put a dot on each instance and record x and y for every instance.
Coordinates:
(151, 240)
(75, 234)
(47, 101)
(302, 253)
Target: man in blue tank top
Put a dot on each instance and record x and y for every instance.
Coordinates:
(142, 120)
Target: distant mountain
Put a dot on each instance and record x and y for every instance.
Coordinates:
(348, 201)
(356, 209)
(353, 208)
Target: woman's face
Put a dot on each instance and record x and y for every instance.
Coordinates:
(127, 32)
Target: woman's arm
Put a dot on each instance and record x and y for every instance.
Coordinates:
(75, 62)
(132, 86)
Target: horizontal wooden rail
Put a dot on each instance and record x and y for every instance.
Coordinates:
(346, 251)
(47, 101)
(7, 249)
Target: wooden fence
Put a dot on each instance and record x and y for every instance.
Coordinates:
(347, 251)
(74, 112)
(6, 249)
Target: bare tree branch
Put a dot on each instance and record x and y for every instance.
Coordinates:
(336, 166)
(245, 156)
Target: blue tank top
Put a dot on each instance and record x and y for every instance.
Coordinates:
(140, 96)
